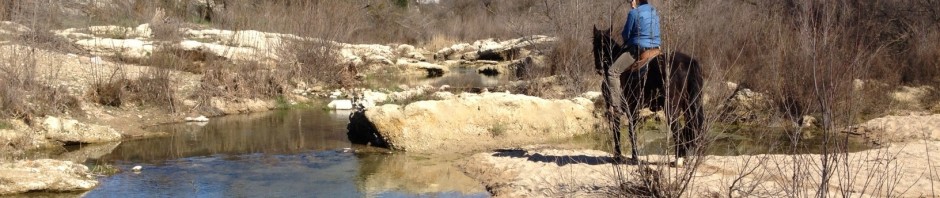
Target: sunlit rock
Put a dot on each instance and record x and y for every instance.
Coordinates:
(472, 121)
(197, 119)
(44, 175)
(71, 131)
(900, 128)
(340, 104)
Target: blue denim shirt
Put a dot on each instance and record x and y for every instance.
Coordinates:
(642, 28)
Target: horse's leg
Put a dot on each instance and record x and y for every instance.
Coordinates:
(615, 125)
(672, 119)
(612, 117)
(635, 100)
(694, 127)
(634, 119)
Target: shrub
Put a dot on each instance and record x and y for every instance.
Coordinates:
(22, 96)
(153, 88)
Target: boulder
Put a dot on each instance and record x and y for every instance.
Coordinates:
(443, 95)
(492, 70)
(910, 97)
(745, 105)
(454, 52)
(592, 95)
(131, 48)
(423, 68)
(409, 51)
(374, 96)
(197, 119)
(241, 106)
(72, 131)
(809, 122)
(472, 122)
(44, 175)
(409, 93)
(340, 104)
(901, 128)
(491, 49)
(9, 28)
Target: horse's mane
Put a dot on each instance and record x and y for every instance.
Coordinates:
(606, 49)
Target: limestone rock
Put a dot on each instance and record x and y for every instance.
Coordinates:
(745, 105)
(809, 121)
(591, 95)
(443, 95)
(12, 28)
(340, 104)
(491, 49)
(901, 128)
(409, 93)
(68, 130)
(910, 97)
(424, 68)
(197, 119)
(377, 97)
(241, 106)
(132, 48)
(472, 121)
(44, 175)
(410, 52)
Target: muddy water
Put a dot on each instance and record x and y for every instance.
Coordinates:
(292, 153)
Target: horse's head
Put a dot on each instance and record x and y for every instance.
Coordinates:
(606, 49)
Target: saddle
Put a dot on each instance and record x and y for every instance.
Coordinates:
(644, 59)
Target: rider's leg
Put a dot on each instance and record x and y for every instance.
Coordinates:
(613, 77)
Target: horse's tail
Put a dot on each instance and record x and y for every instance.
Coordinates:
(695, 122)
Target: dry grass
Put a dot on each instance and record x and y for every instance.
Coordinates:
(248, 80)
(154, 89)
(22, 96)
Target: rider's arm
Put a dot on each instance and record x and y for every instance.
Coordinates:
(628, 28)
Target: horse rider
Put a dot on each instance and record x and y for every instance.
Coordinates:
(641, 40)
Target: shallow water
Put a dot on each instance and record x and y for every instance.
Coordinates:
(290, 153)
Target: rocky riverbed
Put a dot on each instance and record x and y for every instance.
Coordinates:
(419, 118)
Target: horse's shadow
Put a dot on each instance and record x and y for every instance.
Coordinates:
(568, 159)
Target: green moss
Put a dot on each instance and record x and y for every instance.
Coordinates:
(401, 3)
(5, 125)
(498, 129)
(104, 169)
(281, 103)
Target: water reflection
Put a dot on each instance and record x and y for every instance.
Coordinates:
(293, 153)
(278, 132)
(414, 174)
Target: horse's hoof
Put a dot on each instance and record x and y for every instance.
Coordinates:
(679, 162)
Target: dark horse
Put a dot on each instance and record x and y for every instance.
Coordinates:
(673, 83)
